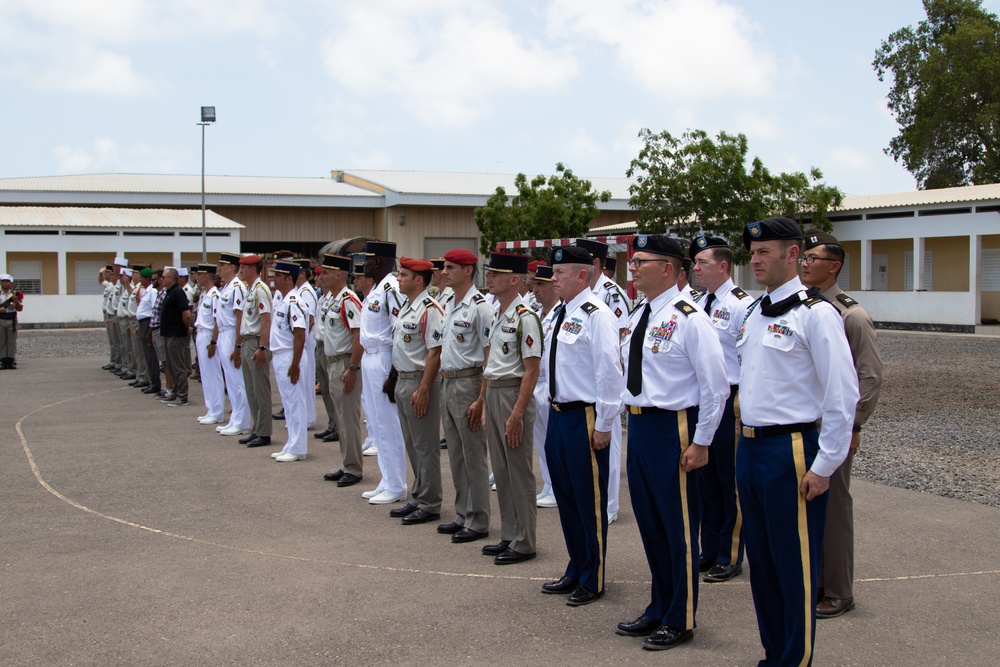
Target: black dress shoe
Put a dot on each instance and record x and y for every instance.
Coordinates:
(640, 627)
(141, 385)
(720, 572)
(321, 434)
(133, 383)
(107, 367)
(333, 476)
(151, 390)
(332, 436)
(405, 510)
(419, 516)
(561, 587)
(496, 549)
(348, 480)
(705, 564)
(449, 528)
(510, 557)
(581, 596)
(666, 637)
(280, 414)
(260, 441)
(444, 443)
(128, 376)
(466, 535)
(248, 439)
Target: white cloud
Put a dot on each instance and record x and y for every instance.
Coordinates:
(105, 155)
(444, 61)
(758, 126)
(681, 50)
(851, 158)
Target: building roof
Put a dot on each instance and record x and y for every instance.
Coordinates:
(965, 194)
(184, 184)
(112, 218)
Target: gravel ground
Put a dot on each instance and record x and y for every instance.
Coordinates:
(934, 431)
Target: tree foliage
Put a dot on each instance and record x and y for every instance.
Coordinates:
(561, 205)
(693, 184)
(945, 94)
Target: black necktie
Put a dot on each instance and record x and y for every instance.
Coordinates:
(552, 352)
(709, 300)
(635, 352)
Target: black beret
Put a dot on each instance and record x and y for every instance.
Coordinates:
(771, 229)
(704, 243)
(336, 263)
(658, 244)
(815, 237)
(571, 255)
(505, 263)
(596, 249)
(380, 249)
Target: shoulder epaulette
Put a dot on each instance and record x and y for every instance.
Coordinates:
(695, 293)
(738, 293)
(685, 307)
(522, 309)
(813, 300)
(847, 300)
(609, 284)
(476, 298)
(588, 308)
(428, 301)
(290, 297)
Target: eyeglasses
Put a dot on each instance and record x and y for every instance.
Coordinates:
(636, 262)
(809, 259)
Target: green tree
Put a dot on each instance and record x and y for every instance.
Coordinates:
(693, 184)
(945, 94)
(561, 205)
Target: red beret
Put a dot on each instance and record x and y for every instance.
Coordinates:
(533, 266)
(460, 256)
(318, 271)
(250, 260)
(415, 264)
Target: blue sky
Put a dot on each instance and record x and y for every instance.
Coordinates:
(302, 87)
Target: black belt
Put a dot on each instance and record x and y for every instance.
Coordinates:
(572, 405)
(771, 431)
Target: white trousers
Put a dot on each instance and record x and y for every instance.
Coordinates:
(293, 401)
(240, 417)
(540, 427)
(308, 383)
(383, 421)
(213, 385)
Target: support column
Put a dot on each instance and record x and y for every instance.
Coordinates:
(3, 261)
(918, 265)
(176, 261)
(866, 265)
(61, 271)
(975, 276)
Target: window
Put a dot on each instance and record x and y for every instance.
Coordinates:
(990, 270)
(844, 279)
(86, 278)
(908, 271)
(27, 276)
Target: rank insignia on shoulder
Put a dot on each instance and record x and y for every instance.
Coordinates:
(813, 300)
(521, 310)
(846, 299)
(738, 293)
(588, 308)
(685, 307)
(428, 301)
(696, 293)
(477, 298)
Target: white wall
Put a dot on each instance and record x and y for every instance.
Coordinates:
(62, 308)
(920, 307)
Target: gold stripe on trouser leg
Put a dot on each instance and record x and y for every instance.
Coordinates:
(591, 426)
(799, 453)
(682, 434)
(737, 535)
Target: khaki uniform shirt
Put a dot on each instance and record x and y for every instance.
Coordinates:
(416, 330)
(466, 331)
(516, 333)
(864, 348)
(342, 318)
(258, 301)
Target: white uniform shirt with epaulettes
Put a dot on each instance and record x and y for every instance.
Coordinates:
(289, 315)
(466, 331)
(793, 371)
(381, 308)
(322, 309)
(231, 299)
(415, 331)
(548, 324)
(207, 305)
(614, 298)
(516, 333)
(587, 364)
(682, 362)
(342, 318)
(728, 312)
(309, 303)
(258, 301)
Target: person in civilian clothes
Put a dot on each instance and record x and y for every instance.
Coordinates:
(550, 305)
(585, 381)
(675, 391)
(822, 261)
(287, 341)
(255, 333)
(342, 345)
(726, 305)
(416, 359)
(213, 384)
(175, 324)
(797, 403)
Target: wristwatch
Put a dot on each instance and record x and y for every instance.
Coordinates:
(239, 346)
(354, 367)
(262, 348)
(212, 342)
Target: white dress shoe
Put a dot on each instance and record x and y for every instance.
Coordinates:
(371, 494)
(209, 420)
(221, 428)
(371, 451)
(548, 500)
(612, 518)
(285, 457)
(275, 455)
(385, 498)
(233, 430)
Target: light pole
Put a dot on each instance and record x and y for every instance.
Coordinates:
(207, 116)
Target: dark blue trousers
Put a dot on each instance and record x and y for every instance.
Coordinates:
(721, 519)
(667, 511)
(580, 483)
(784, 541)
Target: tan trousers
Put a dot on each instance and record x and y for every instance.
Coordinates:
(258, 386)
(836, 576)
(323, 377)
(348, 412)
(422, 437)
(466, 452)
(512, 467)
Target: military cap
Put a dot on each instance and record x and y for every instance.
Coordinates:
(206, 268)
(336, 262)
(658, 244)
(229, 258)
(438, 263)
(544, 273)
(611, 264)
(109, 267)
(251, 260)
(596, 249)
(771, 229)
(120, 261)
(380, 249)
(305, 264)
(815, 237)
(461, 256)
(414, 264)
(703, 242)
(359, 266)
(571, 255)
(502, 262)
(286, 268)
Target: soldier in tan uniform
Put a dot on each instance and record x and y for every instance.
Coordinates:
(255, 335)
(822, 260)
